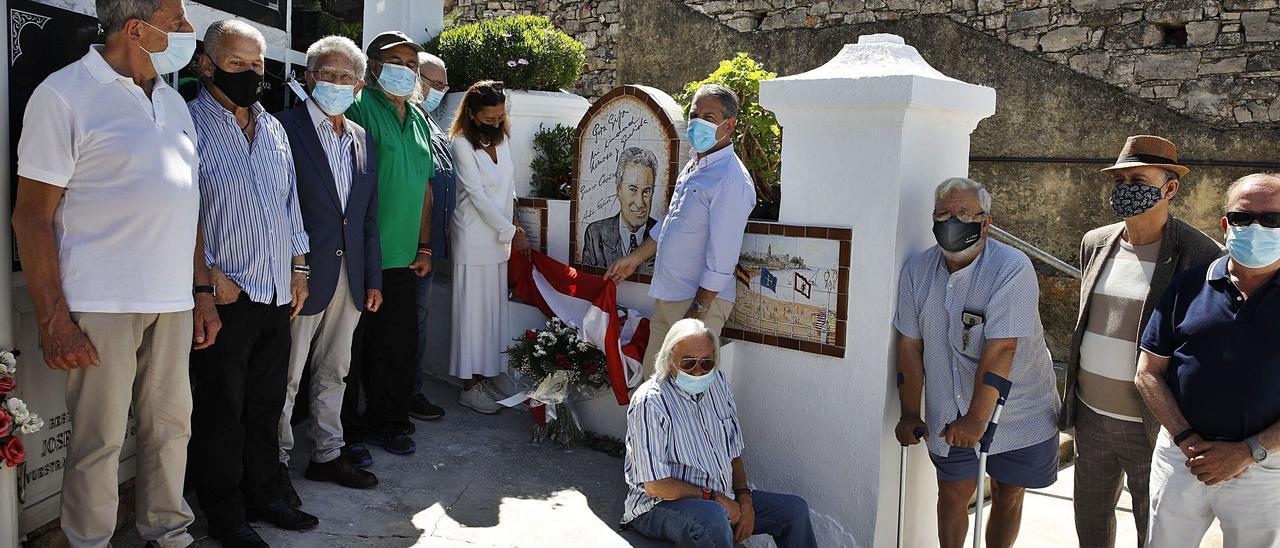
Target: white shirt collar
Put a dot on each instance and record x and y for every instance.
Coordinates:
(711, 159)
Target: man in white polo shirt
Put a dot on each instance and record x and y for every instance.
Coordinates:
(106, 224)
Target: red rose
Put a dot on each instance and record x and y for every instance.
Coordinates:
(6, 421)
(13, 453)
(530, 335)
(7, 384)
(561, 360)
(590, 371)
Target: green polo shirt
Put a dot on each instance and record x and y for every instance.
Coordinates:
(404, 166)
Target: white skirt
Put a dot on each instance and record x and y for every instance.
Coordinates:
(480, 322)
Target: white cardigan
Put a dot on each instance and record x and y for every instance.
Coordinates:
(482, 229)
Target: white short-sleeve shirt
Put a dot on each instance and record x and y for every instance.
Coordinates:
(125, 230)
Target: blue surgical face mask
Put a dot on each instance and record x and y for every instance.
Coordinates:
(398, 80)
(432, 102)
(332, 98)
(182, 45)
(694, 385)
(702, 134)
(1253, 246)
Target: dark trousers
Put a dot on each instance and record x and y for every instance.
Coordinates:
(382, 362)
(239, 385)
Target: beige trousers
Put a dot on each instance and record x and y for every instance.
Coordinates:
(666, 313)
(326, 338)
(144, 361)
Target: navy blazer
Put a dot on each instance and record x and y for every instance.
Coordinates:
(335, 234)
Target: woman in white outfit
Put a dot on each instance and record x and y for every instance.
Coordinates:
(483, 235)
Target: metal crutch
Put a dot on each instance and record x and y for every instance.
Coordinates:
(902, 478)
(1002, 386)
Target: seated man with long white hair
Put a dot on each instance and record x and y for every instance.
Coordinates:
(684, 455)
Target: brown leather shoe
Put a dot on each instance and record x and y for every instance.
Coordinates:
(341, 472)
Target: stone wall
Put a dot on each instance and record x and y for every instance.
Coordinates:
(1213, 60)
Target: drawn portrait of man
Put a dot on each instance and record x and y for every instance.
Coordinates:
(610, 238)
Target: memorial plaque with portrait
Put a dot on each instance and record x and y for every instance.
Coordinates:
(627, 160)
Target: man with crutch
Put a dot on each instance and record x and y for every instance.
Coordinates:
(968, 308)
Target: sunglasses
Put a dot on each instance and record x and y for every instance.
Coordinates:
(689, 365)
(495, 87)
(1268, 219)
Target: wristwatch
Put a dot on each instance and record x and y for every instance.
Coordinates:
(1255, 447)
(212, 290)
(697, 307)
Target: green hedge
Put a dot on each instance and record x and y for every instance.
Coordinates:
(526, 52)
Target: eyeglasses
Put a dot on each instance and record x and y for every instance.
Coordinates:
(689, 365)
(1268, 219)
(944, 216)
(436, 84)
(333, 76)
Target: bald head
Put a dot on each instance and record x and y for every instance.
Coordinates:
(1259, 192)
(219, 34)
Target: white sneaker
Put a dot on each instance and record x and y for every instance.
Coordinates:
(502, 385)
(479, 399)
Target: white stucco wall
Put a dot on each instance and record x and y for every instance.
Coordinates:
(422, 20)
(868, 136)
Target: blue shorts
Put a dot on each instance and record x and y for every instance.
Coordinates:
(1034, 467)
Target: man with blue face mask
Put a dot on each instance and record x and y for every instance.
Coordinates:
(107, 177)
(434, 78)
(386, 340)
(1210, 372)
(337, 193)
(698, 241)
(1125, 268)
(683, 466)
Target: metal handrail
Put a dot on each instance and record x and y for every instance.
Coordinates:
(1035, 252)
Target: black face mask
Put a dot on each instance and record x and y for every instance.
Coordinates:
(491, 133)
(955, 235)
(1131, 199)
(243, 88)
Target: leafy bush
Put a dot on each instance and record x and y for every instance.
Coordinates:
(525, 52)
(552, 162)
(758, 140)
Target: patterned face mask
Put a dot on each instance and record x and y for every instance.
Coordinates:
(1133, 199)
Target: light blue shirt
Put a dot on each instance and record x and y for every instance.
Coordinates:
(671, 434)
(248, 200)
(1000, 285)
(700, 238)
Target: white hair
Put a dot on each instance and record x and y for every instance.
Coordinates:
(219, 30)
(728, 99)
(340, 45)
(680, 331)
(113, 14)
(425, 59)
(959, 183)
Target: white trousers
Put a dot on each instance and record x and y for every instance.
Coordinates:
(1183, 508)
(326, 338)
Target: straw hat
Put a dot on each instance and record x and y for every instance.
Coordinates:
(1149, 150)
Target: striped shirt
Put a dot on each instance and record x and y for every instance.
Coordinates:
(248, 200)
(671, 434)
(1001, 287)
(1110, 342)
(337, 148)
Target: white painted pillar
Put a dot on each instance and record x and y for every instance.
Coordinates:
(422, 20)
(9, 506)
(866, 138)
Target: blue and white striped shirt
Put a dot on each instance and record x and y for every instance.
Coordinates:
(337, 149)
(671, 434)
(248, 200)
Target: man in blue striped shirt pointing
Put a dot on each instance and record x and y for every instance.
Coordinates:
(684, 456)
(255, 245)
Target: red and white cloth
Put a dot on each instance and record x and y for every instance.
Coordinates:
(590, 304)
